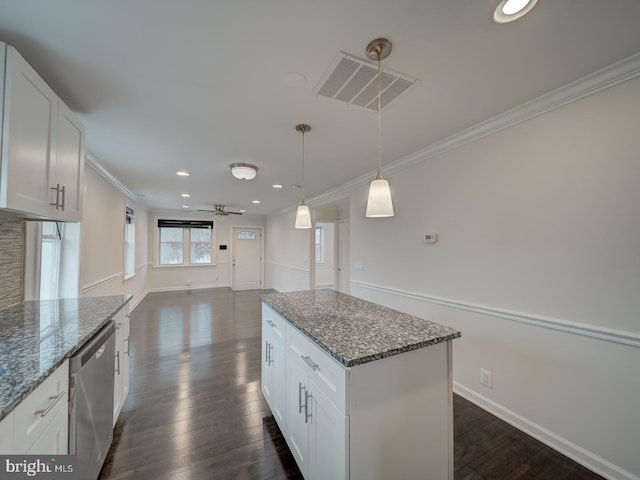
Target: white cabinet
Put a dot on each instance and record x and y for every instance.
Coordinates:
(273, 364)
(41, 421)
(42, 153)
(121, 366)
(388, 418)
(6, 435)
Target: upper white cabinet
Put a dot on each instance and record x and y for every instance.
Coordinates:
(42, 154)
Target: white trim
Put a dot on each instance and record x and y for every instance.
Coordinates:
(595, 82)
(98, 168)
(182, 288)
(592, 331)
(290, 267)
(104, 281)
(141, 266)
(584, 457)
(135, 302)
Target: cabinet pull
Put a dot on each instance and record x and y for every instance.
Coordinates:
(271, 324)
(128, 345)
(270, 357)
(308, 361)
(63, 197)
(118, 362)
(300, 388)
(307, 415)
(54, 399)
(267, 351)
(57, 189)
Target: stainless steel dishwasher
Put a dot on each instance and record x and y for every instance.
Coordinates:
(91, 402)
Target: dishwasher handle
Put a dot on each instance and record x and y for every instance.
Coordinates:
(92, 347)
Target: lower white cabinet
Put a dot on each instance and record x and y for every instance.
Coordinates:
(6, 435)
(41, 421)
(121, 366)
(273, 366)
(317, 431)
(388, 418)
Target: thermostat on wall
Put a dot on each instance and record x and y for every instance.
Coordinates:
(431, 238)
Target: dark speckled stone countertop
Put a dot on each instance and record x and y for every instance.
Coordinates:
(355, 331)
(37, 336)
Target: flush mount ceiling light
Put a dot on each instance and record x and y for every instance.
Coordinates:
(379, 203)
(510, 10)
(303, 216)
(182, 173)
(243, 171)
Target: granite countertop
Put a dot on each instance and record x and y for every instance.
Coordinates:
(37, 336)
(355, 331)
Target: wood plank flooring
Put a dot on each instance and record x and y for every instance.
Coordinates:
(195, 410)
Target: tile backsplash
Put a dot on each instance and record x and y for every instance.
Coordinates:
(11, 260)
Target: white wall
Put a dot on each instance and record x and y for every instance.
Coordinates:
(218, 275)
(102, 243)
(538, 266)
(287, 251)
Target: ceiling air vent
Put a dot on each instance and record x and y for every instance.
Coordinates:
(354, 81)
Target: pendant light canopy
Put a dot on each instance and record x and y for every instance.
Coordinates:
(379, 203)
(303, 216)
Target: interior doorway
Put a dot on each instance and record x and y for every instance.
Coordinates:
(332, 264)
(246, 258)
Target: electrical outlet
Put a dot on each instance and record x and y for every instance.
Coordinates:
(188, 283)
(486, 378)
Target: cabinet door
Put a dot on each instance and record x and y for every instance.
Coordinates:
(28, 138)
(54, 440)
(69, 164)
(6, 435)
(297, 434)
(328, 434)
(121, 365)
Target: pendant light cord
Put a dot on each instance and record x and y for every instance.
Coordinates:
(302, 166)
(379, 175)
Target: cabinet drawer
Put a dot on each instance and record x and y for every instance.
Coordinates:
(273, 322)
(34, 414)
(331, 377)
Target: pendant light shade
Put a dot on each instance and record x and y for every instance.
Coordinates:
(303, 216)
(379, 203)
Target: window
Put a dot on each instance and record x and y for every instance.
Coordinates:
(50, 259)
(185, 242)
(319, 245)
(246, 235)
(129, 243)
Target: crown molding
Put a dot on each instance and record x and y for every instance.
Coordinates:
(607, 77)
(93, 162)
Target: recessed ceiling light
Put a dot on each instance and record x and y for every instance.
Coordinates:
(185, 206)
(185, 195)
(510, 10)
(277, 185)
(182, 173)
(256, 201)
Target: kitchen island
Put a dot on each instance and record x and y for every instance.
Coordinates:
(359, 391)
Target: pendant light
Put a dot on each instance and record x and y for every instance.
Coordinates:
(379, 203)
(303, 216)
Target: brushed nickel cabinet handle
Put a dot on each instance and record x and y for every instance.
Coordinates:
(128, 346)
(300, 388)
(54, 399)
(118, 362)
(271, 324)
(63, 197)
(57, 189)
(308, 361)
(307, 415)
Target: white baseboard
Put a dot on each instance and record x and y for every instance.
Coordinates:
(136, 301)
(184, 288)
(562, 445)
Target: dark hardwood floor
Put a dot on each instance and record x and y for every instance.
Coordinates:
(195, 410)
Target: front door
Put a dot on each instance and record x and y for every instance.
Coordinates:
(246, 261)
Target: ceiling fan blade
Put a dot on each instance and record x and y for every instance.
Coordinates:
(233, 213)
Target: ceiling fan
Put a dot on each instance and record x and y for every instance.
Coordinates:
(220, 210)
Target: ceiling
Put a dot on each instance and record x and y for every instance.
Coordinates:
(163, 85)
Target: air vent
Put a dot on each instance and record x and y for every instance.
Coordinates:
(354, 81)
